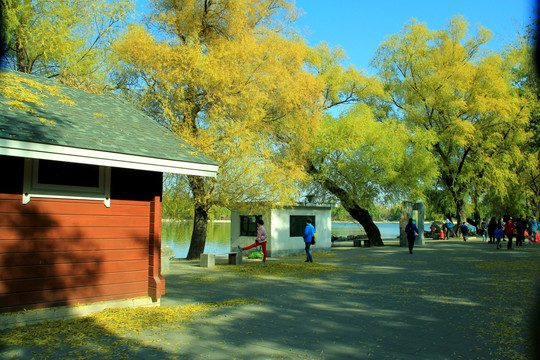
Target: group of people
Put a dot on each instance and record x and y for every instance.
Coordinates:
(260, 240)
(507, 228)
(493, 232)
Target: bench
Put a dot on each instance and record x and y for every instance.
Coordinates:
(357, 241)
(209, 260)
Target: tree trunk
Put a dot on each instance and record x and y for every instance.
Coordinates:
(460, 214)
(198, 236)
(460, 211)
(348, 202)
(364, 218)
(476, 212)
(200, 218)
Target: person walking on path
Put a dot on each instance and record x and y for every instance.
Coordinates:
(533, 228)
(309, 231)
(520, 227)
(464, 231)
(484, 226)
(450, 227)
(444, 230)
(260, 240)
(499, 235)
(492, 226)
(509, 231)
(410, 230)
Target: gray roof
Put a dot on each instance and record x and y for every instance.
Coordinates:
(42, 115)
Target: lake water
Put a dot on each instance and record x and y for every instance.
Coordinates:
(177, 234)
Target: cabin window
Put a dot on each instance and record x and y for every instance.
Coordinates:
(248, 225)
(297, 224)
(56, 179)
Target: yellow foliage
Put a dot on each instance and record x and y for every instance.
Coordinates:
(440, 81)
(99, 327)
(43, 120)
(370, 158)
(67, 39)
(20, 105)
(229, 82)
(67, 101)
(23, 90)
(299, 270)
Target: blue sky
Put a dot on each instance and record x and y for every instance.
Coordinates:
(359, 26)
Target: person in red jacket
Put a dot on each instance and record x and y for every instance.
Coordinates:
(509, 231)
(260, 240)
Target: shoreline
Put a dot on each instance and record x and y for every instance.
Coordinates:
(333, 221)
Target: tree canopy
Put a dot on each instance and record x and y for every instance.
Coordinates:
(359, 156)
(65, 38)
(443, 119)
(442, 82)
(226, 77)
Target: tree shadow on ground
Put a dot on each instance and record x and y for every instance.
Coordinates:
(433, 304)
(81, 338)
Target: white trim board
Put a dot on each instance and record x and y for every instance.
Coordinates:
(93, 157)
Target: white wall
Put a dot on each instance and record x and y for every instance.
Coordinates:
(276, 223)
(244, 241)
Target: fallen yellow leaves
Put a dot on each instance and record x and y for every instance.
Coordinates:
(513, 283)
(299, 270)
(110, 329)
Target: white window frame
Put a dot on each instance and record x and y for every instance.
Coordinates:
(32, 188)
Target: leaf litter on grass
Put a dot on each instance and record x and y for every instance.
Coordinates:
(295, 269)
(107, 334)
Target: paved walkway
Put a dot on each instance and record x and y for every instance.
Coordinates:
(386, 304)
(448, 300)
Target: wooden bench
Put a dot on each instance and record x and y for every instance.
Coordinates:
(209, 260)
(356, 242)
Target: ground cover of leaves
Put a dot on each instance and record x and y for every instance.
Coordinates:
(296, 269)
(107, 334)
(512, 292)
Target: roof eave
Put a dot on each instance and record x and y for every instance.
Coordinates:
(93, 157)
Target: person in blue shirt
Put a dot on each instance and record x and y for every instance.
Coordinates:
(308, 237)
(450, 227)
(499, 235)
(410, 230)
(464, 231)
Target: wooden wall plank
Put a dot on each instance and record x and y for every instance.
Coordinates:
(40, 233)
(70, 220)
(79, 257)
(35, 271)
(47, 245)
(61, 251)
(70, 281)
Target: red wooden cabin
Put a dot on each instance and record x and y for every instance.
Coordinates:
(80, 195)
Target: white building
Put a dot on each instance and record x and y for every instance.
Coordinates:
(285, 227)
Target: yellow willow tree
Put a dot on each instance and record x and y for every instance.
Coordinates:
(441, 82)
(69, 39)
(224, 76)
(359, 155)
(519, 56)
